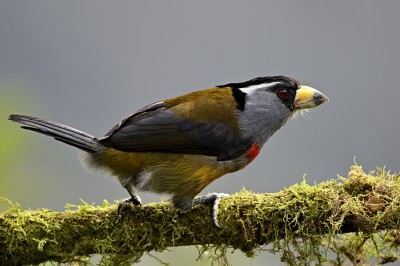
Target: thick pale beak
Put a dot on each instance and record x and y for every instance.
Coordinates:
(307, 97)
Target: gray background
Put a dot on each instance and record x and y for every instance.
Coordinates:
(89, 64)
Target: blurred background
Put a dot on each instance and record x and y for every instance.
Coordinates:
(89, 64)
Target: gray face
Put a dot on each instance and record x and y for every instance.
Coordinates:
(265, 110)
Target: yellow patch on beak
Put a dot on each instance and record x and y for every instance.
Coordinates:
(307, 97)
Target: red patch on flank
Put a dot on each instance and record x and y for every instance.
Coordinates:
(253, 152)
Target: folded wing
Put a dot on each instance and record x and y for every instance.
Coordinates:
(156, 128)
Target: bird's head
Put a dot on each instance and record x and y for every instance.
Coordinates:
(266, 103)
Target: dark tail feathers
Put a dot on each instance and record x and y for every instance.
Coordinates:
(60, 132)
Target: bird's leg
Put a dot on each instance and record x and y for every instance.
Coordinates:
(211, 198)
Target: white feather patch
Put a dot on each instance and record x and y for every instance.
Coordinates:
(251, 89)
(143, 180)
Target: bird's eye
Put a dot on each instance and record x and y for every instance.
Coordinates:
(283, 94)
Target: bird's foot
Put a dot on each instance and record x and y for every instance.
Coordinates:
(134, 199)
(211, 198)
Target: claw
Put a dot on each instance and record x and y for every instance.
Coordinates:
(134, 199)
(214, 198)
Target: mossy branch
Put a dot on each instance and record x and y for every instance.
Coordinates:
(314, 215)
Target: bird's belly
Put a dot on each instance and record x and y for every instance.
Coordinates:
(165, 172)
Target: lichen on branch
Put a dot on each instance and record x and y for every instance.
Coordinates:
(354, 218)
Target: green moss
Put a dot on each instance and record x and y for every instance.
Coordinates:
(353, 219)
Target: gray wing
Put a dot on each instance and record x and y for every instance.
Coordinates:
(155, 128)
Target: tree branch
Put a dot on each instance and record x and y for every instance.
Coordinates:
(365, 203)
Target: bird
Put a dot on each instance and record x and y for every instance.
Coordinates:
(180, 145)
